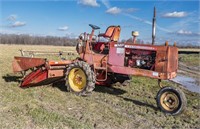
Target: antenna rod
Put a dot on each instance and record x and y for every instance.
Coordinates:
(154, 27)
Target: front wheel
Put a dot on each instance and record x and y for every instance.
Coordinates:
(80, 78)
(171, 100)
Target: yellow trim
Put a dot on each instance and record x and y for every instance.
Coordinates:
(77, 79)
(169, 101)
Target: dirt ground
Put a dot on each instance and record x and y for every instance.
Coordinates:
(190, 64)
(124, 107)
(189, 71)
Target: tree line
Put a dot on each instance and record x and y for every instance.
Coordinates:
(58, 41)
(36, 40)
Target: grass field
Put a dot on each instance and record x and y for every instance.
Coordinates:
(50, 106)
(190, 60)
(189, 49)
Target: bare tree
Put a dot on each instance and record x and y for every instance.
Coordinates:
(36, 40)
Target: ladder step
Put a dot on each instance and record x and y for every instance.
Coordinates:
(100, 68)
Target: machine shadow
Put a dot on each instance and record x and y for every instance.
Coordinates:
(11, 78)
(110, 90)
(103, 89)
(60, 85)
(139, 103)
(117, 91)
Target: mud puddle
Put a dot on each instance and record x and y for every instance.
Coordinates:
(188, 82)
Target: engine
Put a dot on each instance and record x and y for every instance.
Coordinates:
(143, 59)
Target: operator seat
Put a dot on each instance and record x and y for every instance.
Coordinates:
(116, 34)
(112, 33)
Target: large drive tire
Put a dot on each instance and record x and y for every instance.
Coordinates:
(80, 78)
(171, 100)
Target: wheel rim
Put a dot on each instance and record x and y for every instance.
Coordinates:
(77, 79)
(169, 101)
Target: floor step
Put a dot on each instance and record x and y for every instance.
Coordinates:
(100, 68)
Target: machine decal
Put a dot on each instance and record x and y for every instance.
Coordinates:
(120, 50)
(119, 45)
(155, 74)
(139, 47)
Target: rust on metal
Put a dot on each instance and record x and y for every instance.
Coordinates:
(56, 73)
(25, 63)
(159, 62)
(34, 78)
(60, 62)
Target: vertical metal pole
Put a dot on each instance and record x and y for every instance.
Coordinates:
(154, 27)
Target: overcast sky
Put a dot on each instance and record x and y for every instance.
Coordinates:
(177, 21)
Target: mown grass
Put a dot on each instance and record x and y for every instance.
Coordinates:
(50, 106)
(190, 59)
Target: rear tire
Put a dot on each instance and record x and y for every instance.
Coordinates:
(171, 100)
(80, 79)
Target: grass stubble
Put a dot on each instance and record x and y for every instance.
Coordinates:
(50, 106)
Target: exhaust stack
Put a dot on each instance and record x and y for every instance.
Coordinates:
(154, 27)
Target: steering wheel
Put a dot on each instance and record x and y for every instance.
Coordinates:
(94, 27)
